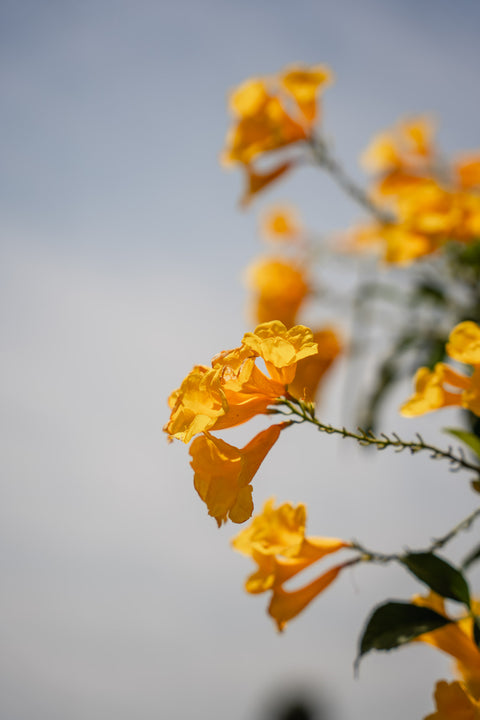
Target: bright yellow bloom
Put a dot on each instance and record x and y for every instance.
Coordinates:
(280, 223)
(223, 473)
(197, 404)
(311, 370)
(280, 286)
(276, 541)
(453, 702)
(467, 169)
(455, 639)
(281, 348)
(433, 388)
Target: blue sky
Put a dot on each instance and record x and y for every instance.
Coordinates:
(121, 259)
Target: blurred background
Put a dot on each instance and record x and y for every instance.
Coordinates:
(121, 266)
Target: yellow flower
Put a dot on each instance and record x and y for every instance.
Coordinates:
(271, 113)
(431, 387)
(280, 287)
(455, 639)
(467, 169)
(196, 405)
(276, 541)
(408, 144)
(223, 473)
(304, 84)
(280, 223)
(280, 348)
(311, 370)
(453, 702)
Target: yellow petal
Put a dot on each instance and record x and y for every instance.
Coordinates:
(464, 343)
(454, 703)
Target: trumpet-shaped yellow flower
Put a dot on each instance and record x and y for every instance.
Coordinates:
(276, 541)
(311, 370)
(453, 702)
(455, 639)
(280, 287)
(271, 113)
(197, 404)
(433, 388)
(281, 348)
(304, 84)
(223, 472)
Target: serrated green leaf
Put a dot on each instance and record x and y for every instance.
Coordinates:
(472, 557)
(470, 439)
(396, 623)
(439, 575)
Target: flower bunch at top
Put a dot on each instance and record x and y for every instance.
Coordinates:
(230, 392)
(271, 113)
(443, 386)
(431, 201)
(276, 541)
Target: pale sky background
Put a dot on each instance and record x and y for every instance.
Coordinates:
(121, 259)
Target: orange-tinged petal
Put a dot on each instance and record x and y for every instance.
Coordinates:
(464, 343)
(304, 84)
(223, 472)
(249, 97)
(257, 181)
(284, 605)
(453, 702)
(467, 169)
(274, 531)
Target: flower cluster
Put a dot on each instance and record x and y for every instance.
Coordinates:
(443, 386)
(232, 391)
(430, 202)
(271, 113)
(276, 541)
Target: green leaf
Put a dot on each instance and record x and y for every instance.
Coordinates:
(472, 557)
(440, 576)
(476, 630)
(470, 439)
(396, 623)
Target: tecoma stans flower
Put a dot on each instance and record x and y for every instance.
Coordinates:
(234, 389)
(281, 349)
(223, 473)
(455, 639)
(407, 145)
(271, 113)
(312, 370)
(454, 702)
(279, 287)
(444, 386)
(276, 541)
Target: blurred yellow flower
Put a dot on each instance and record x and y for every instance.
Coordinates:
(280, 223)
(453, 702)
(276, 541)
(281, 348)
(311, 370)
(271, 113)
(408, 144)
(223, 473)
(432, 386)
(280, 286)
